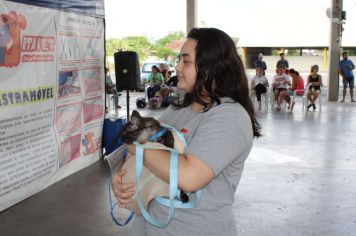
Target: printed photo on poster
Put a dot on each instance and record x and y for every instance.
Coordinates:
(93, 109)
(68, 117)
(91, 48)
(68, 83)
(91, 79)
(91, 143)
(69, 150)
(69, 48)
(11, 25)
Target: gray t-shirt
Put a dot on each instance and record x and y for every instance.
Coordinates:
(222, 138)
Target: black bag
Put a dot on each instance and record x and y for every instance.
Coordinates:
(141, 102)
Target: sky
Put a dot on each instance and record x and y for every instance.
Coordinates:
(156, 18)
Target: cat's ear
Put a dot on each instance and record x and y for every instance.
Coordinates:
(135, 119)
(135, 114)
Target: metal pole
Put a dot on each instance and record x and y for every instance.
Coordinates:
(334, 50)
(191, 14)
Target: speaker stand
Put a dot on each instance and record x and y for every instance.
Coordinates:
(128, 104)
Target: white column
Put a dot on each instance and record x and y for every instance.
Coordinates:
(334, 50)
(191, 14)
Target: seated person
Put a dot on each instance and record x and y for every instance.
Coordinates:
(111, 89)
(314, 83)
(297, 87)
(155, 79)
(259, 84)
(280, 83)
(169, 86)
(162, 68)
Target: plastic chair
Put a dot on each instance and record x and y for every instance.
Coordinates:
(297, 94)
(264, 96)
(321, 91)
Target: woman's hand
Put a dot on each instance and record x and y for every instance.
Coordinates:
(124, 192)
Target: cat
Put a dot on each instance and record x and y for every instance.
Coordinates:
(139, 129)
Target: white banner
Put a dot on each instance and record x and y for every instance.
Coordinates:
(51, 97)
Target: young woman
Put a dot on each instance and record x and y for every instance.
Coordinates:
(314, 83)
(155, 80)
(169, 86)
(259, 84)
(297, 87)
(280, 83)
(219, 125)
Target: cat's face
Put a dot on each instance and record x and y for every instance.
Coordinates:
(139, 128)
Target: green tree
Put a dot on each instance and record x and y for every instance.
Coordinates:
(112, 46)
(139, 44)
(143, 47)
(164, 52)
(160, 47)
(170, 37)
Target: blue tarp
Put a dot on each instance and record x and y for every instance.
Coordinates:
(84, 7)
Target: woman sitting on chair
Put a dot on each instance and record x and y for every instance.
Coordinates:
(259, 84)
(297, 87)
(314, 83)
(155, 79)
(280, 83)
(169, 86)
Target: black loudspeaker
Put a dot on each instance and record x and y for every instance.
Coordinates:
(127, 70)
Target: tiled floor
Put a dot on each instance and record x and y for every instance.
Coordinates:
(300, 179)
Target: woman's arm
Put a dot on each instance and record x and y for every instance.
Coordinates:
(294, 85)
(193, 174)
(253, 83)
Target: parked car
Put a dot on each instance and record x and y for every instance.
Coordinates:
(146, 71)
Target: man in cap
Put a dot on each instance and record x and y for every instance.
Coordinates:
(259, 63)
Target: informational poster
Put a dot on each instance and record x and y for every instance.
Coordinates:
(51, 97)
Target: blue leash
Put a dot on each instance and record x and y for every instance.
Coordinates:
(112, 207)
(173, 187)
(157, 135)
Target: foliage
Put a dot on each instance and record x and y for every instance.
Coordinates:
(112, 45)
(143, 47)
(164, 52)
(139, 44)
(169, 38)
(160, 49)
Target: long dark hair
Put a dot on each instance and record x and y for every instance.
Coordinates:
(220, 73)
